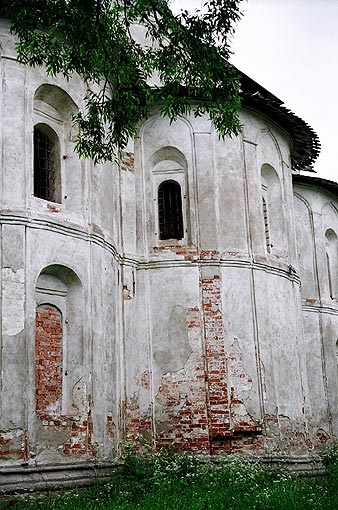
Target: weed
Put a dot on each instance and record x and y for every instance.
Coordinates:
(173, 481)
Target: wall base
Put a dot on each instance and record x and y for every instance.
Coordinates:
(21, 479)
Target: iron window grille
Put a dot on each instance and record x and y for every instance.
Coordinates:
(44, 166)
(170, 210)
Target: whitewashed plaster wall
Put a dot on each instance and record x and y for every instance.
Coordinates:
(81, 233)
(182, 340)
(260, 289)
(316, 212)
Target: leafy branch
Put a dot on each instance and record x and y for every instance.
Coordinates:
(100, 40)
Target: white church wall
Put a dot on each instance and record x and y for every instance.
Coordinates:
(317, 250)
(77, 233)
(214, 339)
(230, 186)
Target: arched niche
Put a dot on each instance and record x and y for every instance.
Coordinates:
(53, 111)
(59, 288)
(168, 159)
(53, 106)
(268, 149)
(272, 211)
(331, 251)
(305, 244)
(329, 216)
(158, 132)
(52, 100)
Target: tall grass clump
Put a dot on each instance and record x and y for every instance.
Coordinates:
(178, 481)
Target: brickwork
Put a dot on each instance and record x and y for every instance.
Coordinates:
(241, 383)
(79, 441)
(187, 252)
(13, 444)
(138, 425)
(48, 381)
(200, 407)
(232, 429)
(111, 429)
(182, 418)
(48, 361)
(219, 406)
(127, 161)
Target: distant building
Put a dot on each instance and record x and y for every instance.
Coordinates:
(188, 297)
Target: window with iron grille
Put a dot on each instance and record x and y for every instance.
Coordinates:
(45, 164)
(170, 215)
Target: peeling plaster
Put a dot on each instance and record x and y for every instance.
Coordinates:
(13, 301)
(178, 348)
(241, 385)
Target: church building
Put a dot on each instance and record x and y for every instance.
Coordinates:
(187, 297)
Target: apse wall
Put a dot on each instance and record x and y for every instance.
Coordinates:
(216, 312)
(181, 298)
(316, 231)
(60, 276)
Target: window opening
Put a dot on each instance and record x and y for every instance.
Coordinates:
(44, 166)
(266, 225)
(329, 275)
(170, 210)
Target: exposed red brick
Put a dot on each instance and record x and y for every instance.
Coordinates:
(182, 398)
(48, 383)
(189, 252)
(195, 409)
(127, 161)
(145, 379)
(13, 444)
(218, 398)
(48, 361)
(53, 208)
(79, 441)
(111, 429)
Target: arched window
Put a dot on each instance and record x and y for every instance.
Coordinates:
(266, 225)
(47, 182)
(170, 215)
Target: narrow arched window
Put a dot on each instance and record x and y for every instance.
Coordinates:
(46, 164)
(328, 265)
(170, 215)
(266, 225)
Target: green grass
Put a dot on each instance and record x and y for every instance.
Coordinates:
(170, 481)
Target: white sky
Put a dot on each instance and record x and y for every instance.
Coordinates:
(290, 47)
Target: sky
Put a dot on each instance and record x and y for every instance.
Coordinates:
(290, 47)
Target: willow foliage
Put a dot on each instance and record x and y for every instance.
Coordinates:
(180, 63)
